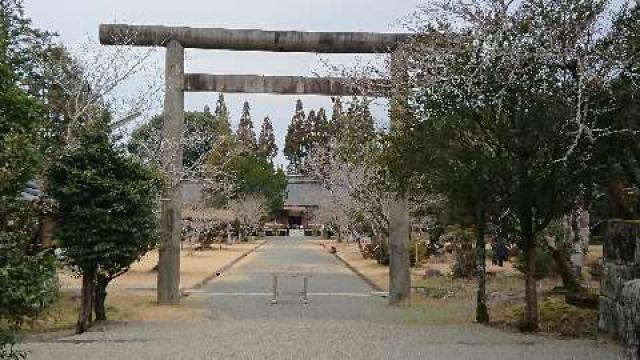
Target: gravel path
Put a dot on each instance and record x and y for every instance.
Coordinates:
(342, 321)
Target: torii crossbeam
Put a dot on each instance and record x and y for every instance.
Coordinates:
(175, 40)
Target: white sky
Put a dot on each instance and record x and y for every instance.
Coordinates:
(78, 20)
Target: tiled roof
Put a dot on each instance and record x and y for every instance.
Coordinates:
(303, 191)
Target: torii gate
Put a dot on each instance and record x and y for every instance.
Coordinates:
(175, 40)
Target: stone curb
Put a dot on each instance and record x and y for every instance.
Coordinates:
(352, 268)
(226, 267)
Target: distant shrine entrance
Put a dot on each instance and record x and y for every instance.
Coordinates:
(303, 198)
(175, 40)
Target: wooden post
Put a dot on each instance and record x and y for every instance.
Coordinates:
(172, 128)
(399, 262)
(399, 275)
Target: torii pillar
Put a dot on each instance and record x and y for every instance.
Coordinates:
(171, 157)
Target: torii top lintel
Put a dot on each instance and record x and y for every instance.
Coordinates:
(252, 40)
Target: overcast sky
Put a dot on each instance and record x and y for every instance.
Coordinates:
(76, 21)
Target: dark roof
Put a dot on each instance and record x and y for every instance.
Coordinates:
(303, 191)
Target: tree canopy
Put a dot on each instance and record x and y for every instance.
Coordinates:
(106, 202)
(505, 111)
(27, 272)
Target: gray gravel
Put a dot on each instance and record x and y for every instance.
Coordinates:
(342, 321)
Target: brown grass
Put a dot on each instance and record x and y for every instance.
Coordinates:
(195, 266)
(131, 297)
(448, 300)
(120, 306)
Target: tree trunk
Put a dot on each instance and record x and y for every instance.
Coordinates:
(100, 296)
(86, 300)
(528, 246)
(570, 281)
(531, 292)
(482, 311)
(530, 321)
(560, 252)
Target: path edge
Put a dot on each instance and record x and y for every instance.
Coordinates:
(226, 267)
(366, 279)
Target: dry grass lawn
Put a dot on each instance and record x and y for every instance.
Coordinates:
(448, 300)
(132, 297)
(121, 306)
(195, 266)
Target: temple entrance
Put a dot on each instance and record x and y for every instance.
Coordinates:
(295, 221)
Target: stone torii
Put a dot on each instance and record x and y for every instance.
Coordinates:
(175, 40)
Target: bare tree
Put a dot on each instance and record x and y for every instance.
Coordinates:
(92, 81)
(250, 210)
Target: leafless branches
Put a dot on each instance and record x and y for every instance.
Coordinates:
(250, 209)
(91, 81)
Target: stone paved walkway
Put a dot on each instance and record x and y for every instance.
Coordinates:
(342, 321)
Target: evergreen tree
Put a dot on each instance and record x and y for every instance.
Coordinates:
(225, 143)
(27, 273)
(201, 134)
(335, 124)
(321, 132)
(222, 117)
(353, 127)
(360, 121)
(26, 49)
(245, 136)
(308, 135)
(258, 176)
(294, 149)
(106, 216)
(267, 141)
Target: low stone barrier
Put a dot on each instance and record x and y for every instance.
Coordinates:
(619, 307)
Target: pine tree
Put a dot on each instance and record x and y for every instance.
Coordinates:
(245, 135)
(267, 141)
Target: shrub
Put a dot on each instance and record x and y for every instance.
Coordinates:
(28, 281)
(465, 258)
(465, 265)
(544, 264)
